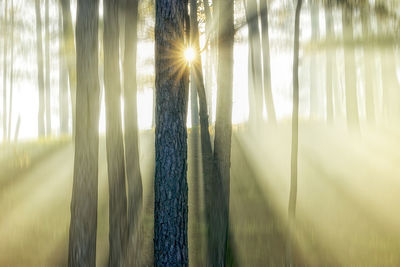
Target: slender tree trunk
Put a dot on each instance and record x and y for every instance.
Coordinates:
(135, 191)
(47, 55)
(268, 97)
(114, 138)
(314, 92)
(83, 226)
(255, 68)
(330, 54)
(63, 81)
(11, 73)
(223, 134)
(209, 58)
(5, 44)
(39, 55)
(170, 186)
(350, 69)
(70, 56)
(369, 68)
(295, 132)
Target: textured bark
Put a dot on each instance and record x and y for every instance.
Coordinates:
(114, 139)
(254, 68)
(11, 73)
(63, 81)
(170, 186)
(39, 55)
(223, 132)
(133, 174)
(83, 226)
(350, 70)
(369, 70)
(268, 97)
(330, 54)
(47, 82)
(314, 92)
(5, 44)
(70, 57)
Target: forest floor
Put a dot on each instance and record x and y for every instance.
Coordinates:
(347, 215)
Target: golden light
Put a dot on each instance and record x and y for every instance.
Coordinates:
(189, 54)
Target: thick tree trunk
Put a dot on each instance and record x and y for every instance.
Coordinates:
(314, 92)
(255, 69)
(170, 186)
(330, 54)
(70, 56)
(39, 55)
(63, 81)
(135, 191)
(350, 70)
(268, 97)
(83, 226)
(5, 44)
(11, 73)
(223, 132)
(114, 139)
(47, 55)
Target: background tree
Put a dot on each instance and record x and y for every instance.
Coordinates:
(47, 57)
(39, 55)
(170, 185)
(63, 79)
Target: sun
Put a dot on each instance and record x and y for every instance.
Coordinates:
(189, 54)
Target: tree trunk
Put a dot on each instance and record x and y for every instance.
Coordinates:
(350, 69)
(39, 55)
(83, 226)
(47, 55)
(268, 97)
(11, 73)
(135, 191)
(295, 132)
(114, 138)
(255, 78)
(314, 92)
(209, 58)
(70, 56)
(223, 132)
(5, 72)
(170, 186)
(330, 54)
(63, 81)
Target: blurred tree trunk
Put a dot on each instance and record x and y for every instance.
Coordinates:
(70, 56)
(350, 69)
(83, 226)
(254, 67)
(223, 133)
(314, 68)
(268, 97)
(295, 133)
(11, 73)
(330, 59)
(114, 138)
(369, 67)
(5, 44)
(170, 186)
(63, 80)
(47, 55)
(133, 174)
(39, 55)
(209, 57)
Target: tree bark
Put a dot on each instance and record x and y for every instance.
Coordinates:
(268, 97)
(114, 139)
(83, 226)
(47, 56)
(133, 174)
(70, 56)
(170, 187)
(63, 81)
(350, 69)
(39, 55)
